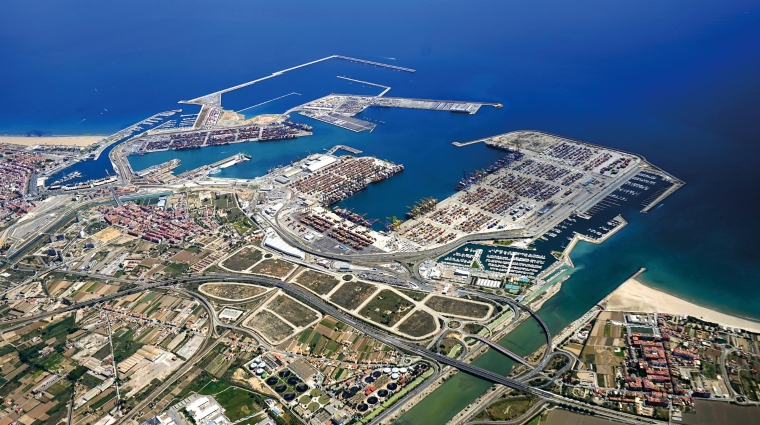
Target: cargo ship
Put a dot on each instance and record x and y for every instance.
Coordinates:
(480, 174)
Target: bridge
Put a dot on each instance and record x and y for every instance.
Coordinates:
(500, 349)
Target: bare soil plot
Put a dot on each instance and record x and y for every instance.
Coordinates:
(457, 307)
(387, 308)
(352, 294)
(243, 259)
(317, 282)
(231, 291)
(107, 234)
(270, 326)
(273, 267)
(418, 324)
(292, 310)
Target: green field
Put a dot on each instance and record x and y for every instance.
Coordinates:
(238, 403)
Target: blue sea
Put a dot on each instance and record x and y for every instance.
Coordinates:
(677, 82)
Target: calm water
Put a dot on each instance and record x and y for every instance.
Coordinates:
(676, 82)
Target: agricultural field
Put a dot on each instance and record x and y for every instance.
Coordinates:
(457, 307)
(243, 259)
(418, 324)
(292, 310)
(271, 326)
(321, 340)
(352, 294)
(317, 282)
(231, 291)
(387, 308)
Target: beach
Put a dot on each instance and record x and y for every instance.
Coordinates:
(51, 140)
(634, 296)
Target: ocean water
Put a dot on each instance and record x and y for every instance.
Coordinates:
(676, 82)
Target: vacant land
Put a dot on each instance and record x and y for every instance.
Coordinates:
(238, 403)
(245, 258)
(387, 308)
(418, 324)
(274, 268)
(415, 295)
(456, 307)
(270, 326)
(352, 294)
(292, 310)
(231, 291)
(508, 408)
(317, 282)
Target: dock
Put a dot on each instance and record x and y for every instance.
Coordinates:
(676, 185)
(343, 148)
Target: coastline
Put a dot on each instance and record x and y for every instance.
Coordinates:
(83, 140)
(634, 296)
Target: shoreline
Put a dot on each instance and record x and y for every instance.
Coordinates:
(634, 296)
(79, 140)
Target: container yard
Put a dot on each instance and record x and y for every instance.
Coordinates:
(541, 179)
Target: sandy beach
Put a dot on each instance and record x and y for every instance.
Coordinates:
(51, 140)
(635, 296)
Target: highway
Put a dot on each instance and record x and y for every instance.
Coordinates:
(381, 336)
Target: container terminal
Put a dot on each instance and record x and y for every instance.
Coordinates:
(541, 180)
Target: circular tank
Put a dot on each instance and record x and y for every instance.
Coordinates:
(284, 373)
(301, 387)
(289, 397)
(394, 375)
(280, 388)
(394, 370)
(387, 370)
(369, 379)
(392, 386)
(259, 371)
(345, 395)
(354, 390)
(376, 374)
(382, 393)
(402, 370)
(292, 380)
(272, 380)
(362, 407)
(253, 366)
(372, 400)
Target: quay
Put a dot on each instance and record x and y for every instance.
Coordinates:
(343, 121)
(163, 167)
(224, 163)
